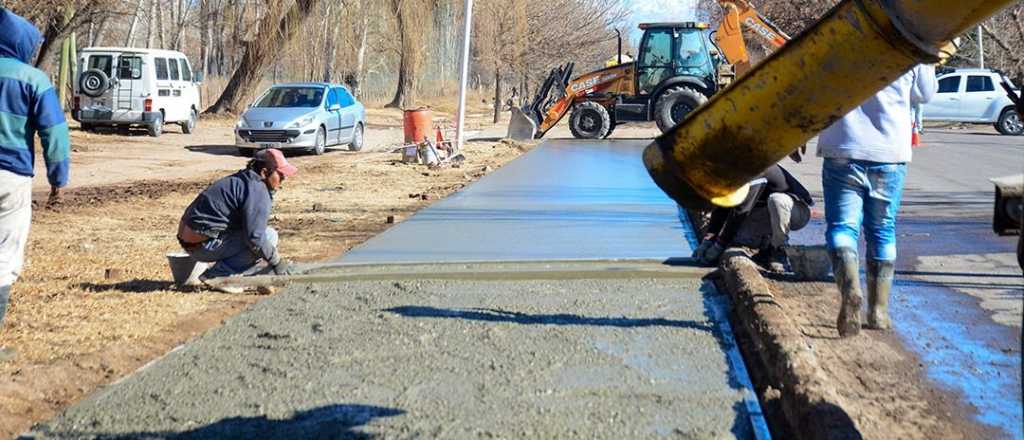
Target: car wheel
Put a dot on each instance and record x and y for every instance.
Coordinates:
(1009, 123)
(589, 120)
(321, 142)
(156, 128)
(246, 152)
(357, 138)
(674, 104)
(88, 127)
(189, 126)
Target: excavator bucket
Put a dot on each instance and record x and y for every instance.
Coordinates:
(526, 120)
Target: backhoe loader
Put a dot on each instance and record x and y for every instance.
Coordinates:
(677, 70)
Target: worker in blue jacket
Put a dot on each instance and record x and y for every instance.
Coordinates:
(28, 106)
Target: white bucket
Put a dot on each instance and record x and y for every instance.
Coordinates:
(810, 263)
(184, 269)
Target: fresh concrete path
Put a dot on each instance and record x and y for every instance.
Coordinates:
(511, 349)
(565, 200)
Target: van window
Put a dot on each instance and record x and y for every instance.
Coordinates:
(161, 68)
(980, 84)
(186, 73)
(950, 84)
(129, 67)
(344, 98)
(173, 64)
(102, 62)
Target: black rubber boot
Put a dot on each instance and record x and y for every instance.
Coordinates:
(5, 296)
(880, 277)
(846, 267)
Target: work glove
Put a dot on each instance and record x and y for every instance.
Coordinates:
(284, 267)
(711, 255)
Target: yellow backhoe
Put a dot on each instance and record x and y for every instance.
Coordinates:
(678, 68)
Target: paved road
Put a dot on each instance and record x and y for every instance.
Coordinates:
(959, 295)
(510, 349)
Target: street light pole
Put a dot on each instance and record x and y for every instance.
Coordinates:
(460, 133)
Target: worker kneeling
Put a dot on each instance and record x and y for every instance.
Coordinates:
(227, 223)
(777, 204)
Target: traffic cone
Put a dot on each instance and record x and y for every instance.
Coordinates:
(915, 137)
(438, 134)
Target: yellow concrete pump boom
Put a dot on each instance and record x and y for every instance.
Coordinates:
(855, 50)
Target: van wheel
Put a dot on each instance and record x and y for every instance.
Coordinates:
(357, 139)
(674, 104)
(156, 128)
(1009, 123)
(189, 126)
(321, 142)
(590, 120)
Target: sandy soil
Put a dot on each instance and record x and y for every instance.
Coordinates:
(96, 301)
(883, 386)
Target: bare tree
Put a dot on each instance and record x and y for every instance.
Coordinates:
(275, 31)
(413, 31)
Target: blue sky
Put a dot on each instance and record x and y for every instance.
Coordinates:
(646, 11)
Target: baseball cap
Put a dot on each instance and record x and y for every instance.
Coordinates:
(275, 159)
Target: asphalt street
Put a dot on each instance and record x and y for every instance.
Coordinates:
(959, 292)
(535, 304)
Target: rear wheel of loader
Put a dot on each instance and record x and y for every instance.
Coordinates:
(674, 104)
(590, 120)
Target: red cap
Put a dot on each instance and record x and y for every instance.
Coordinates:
(276, 161)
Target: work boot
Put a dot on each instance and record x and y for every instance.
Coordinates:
(777, 260)
(880, 276)
(846, 267)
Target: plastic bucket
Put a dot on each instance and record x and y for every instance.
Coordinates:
(417, 125)
(184, 269)
(811, 263)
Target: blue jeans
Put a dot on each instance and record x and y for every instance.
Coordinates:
(231, 252)
(862, 193)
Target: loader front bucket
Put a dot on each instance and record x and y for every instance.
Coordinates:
(521, 127)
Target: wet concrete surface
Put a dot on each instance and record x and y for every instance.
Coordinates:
(566, 200)
(580, 330)
(959, 293)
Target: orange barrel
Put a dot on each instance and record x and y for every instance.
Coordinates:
(417, 124)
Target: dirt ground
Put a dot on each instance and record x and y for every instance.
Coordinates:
(96, 302)
(883, 386)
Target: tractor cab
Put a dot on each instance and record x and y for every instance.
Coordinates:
(674, 51)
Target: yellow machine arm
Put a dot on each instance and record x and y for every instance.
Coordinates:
(729, 36)
(854, 51)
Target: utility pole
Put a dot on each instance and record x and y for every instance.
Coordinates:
(460, 132)
(981, 48)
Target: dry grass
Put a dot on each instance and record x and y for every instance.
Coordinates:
(66, 313)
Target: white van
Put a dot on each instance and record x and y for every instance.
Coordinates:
(119, 86)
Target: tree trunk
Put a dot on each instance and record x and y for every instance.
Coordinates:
(151, 29)
(130, 36)
(274, 34)
(361, 52)
(204, 35)
(160, 26)
(497, 94)
(406, 71)
(96, 39)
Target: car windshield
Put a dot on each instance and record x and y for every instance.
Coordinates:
(278, 97)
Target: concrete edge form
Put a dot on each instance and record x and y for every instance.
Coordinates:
(810, 405)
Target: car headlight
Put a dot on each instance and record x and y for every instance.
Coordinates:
(302, 122)
(241, 123)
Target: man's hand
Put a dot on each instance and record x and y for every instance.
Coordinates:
(55, 197)
(284, 267)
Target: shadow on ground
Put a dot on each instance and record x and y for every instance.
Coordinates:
(216, 150)
(498, 315)
(326, 422)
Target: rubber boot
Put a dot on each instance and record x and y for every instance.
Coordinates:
(846, 267)
(7, 354)
(880, 276)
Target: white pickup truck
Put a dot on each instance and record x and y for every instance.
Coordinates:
(974, 95)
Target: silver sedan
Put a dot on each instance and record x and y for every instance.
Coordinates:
(308, 116)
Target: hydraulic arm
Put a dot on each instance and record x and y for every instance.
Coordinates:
(855, 50)
(729, 36)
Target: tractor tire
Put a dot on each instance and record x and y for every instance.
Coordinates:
(674, 104)
(590, 120)
(611, 130)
